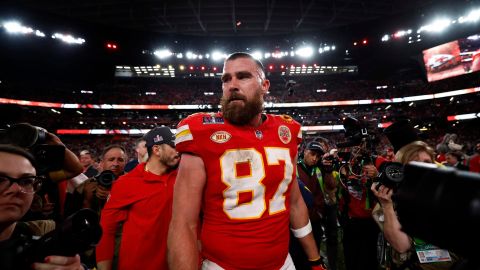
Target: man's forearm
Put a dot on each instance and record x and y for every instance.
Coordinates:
(310, 247)
(104, 265)
(182, 248)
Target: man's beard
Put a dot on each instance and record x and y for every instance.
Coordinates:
(170, 163)
(238, 114)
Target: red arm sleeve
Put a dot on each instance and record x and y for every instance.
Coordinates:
(113, 213)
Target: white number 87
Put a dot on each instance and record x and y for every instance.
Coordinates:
(253, 182)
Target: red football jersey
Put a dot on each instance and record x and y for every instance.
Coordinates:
(246, 202)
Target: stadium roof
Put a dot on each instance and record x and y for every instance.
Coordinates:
(225, 17)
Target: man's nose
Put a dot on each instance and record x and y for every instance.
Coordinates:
(233, 85)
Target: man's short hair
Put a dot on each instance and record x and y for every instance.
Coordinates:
(12, 149)
(139, 140)
(237, 55)
(112, 146)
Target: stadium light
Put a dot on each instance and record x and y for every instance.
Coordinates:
(69, 39)
(436, 26)
(162, 54)
(257, 55)
(14, 27)
(217, 56)
(191, 55)
(473, 16)
(304, 52)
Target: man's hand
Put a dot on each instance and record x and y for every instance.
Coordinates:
(327, 163)
(89, 188)
(102, 193)
(317, 264)
(370, 171)
(53, 139)
(60, 262)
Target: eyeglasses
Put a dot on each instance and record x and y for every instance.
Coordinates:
(28, 184)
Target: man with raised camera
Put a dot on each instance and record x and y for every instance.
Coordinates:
(315, 171)
(142, 200)
(18, 184)
(112, 165)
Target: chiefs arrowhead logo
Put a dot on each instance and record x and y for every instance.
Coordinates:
(220, 137)
(284, 134)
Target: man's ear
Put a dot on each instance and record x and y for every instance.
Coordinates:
(155, 149)
(265, 86)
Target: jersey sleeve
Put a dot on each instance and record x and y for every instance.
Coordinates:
(114, 212)
(189, 133)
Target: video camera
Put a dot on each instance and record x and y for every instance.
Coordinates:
(362, 136)
(357, 132)
(33, 139)
(79, 232)
(441, 206)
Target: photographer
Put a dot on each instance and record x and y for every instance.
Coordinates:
(315, 172)
(360, 232)
(400, 134)
(53, 160)
(18, 184)
(113, 159)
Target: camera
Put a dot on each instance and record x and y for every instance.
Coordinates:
(79, 232)
(390, 175)
(105, 179)
(356, 132)
(441, 206)
(33, 139)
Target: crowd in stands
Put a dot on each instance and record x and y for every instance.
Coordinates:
(179, 91)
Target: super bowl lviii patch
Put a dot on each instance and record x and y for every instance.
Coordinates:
(220, 137)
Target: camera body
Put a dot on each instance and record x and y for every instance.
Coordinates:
(105, 179)
(390, 174)
(441, 206)
(33, 139)
(78, 233)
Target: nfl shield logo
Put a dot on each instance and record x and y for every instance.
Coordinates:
(258, 134)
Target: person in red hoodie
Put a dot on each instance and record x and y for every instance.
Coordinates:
(142, 200)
